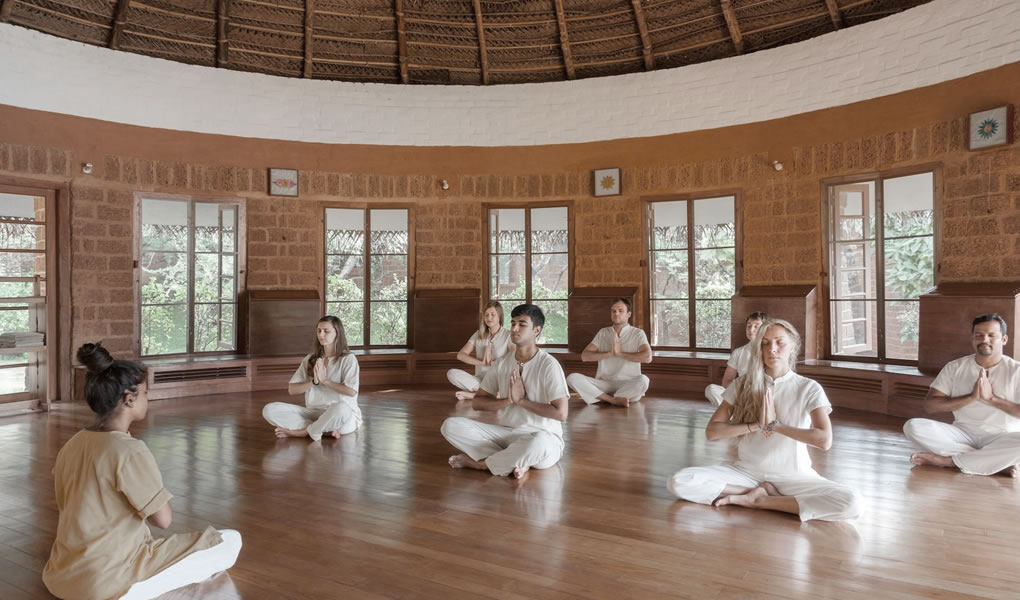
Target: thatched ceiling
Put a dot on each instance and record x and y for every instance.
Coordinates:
(471, 42)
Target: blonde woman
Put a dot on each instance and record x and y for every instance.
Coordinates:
(486, 345)
(775, 414)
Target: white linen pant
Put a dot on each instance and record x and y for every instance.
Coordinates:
(974, 452)
(463, 380)
(714, 394)
(817, 497)
(335, 417)
(590, 388)
(193, 568)
(503, 448)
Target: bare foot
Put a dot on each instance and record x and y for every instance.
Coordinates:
(1009, 472)
(934, 460)
(749, 499)
(463, 461)
(618, 401)
(286, 433)
(519, 473)
(769, 488)
(332, 434)
(464, 395)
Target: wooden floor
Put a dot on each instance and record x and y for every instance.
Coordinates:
(379, 514)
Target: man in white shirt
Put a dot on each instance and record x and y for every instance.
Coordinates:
(739, 359)
(619, 350)
(528, 389)
(983, 392)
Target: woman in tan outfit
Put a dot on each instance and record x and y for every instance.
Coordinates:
(107, 486)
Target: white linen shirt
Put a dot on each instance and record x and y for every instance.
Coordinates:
(345, 371)
(795, 396)
(614, 367)
(500, 343)
(958, 377)
(740, 358)
(543, 382)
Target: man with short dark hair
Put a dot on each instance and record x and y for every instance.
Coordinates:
(619, 350)
(983, 392)
(528, 389)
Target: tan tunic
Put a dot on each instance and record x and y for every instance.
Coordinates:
(106, 484)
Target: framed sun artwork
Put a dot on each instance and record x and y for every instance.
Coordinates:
(607, 182)
(991, 127)
(283, 182)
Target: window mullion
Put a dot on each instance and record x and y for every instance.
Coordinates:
(880, 266)
(190, 308)
(366, 320)
(527, 255)
(691, 283)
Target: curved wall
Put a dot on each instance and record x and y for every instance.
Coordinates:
(940, 41)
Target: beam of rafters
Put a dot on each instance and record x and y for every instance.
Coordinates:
(837, 19)
(482, 55)
(646, 42)
(309, 13)
(222, 42)
(731, 23)
(401, 40)
(568, 61)
(5, 10)
(119, 16)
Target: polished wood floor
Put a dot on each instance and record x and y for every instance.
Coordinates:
(379, 514)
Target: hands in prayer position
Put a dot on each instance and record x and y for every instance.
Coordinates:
(319, 372)
(516, 392)
(617, 344)
(768, 413)
(487, 357)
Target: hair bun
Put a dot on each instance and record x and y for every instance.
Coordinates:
(95, 357)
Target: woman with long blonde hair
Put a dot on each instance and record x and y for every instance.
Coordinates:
(490, 342)
(329, 378)
(775, 414)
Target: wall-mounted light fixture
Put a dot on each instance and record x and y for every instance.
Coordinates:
(86, 168)
(444, 184)
(777, 165)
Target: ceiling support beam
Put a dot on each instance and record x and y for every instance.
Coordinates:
(568, 60)
(646, 43)
(837, 19)
(482, 54)
(731, 22)
(5, 10)
(401, 40)
(309, 13)
(222, 42)
(119, 15)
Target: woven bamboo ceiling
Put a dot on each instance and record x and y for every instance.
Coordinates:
(464, 42)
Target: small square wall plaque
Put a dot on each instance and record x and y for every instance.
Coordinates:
(607, 182)
(991, 127)
(283, 182)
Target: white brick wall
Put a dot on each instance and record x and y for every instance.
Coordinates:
(942, 40)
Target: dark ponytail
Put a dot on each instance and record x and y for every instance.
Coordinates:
(107, 380)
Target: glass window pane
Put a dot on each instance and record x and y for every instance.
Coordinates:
(549, 276)
(670, 323)
(207, 328)
(164, 225)
(555, 329)
(18, 207)
(207, 278)
(229, 217)
(351, 314)
(902, 322)
(14, 318)
(714, 223)
(22, 264)
(14, 380)
(850, 256)
(909, 267)
(345, 231)
(712, 322)
(16, 289)
(164, 329)
(668, 274)
(227, 320)
(907, 202)
(549, 229)
(207, 227)
(669, 225)
(855, 271)
(389, 323)
(345, 278)
(506, 276)
(389, 231)
(854, 327)
(389, 277)
(714, 273)
(13, 359)
(506, 228)
(855, 211)
(228, 278)
(22, 236)
(164, 277)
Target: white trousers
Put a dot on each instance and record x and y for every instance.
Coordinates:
(335, 417)
(193, 568)
(503, 448)
(714, 394)
(974, 452)
(590, 388)
(817, 497)
(463, 380)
